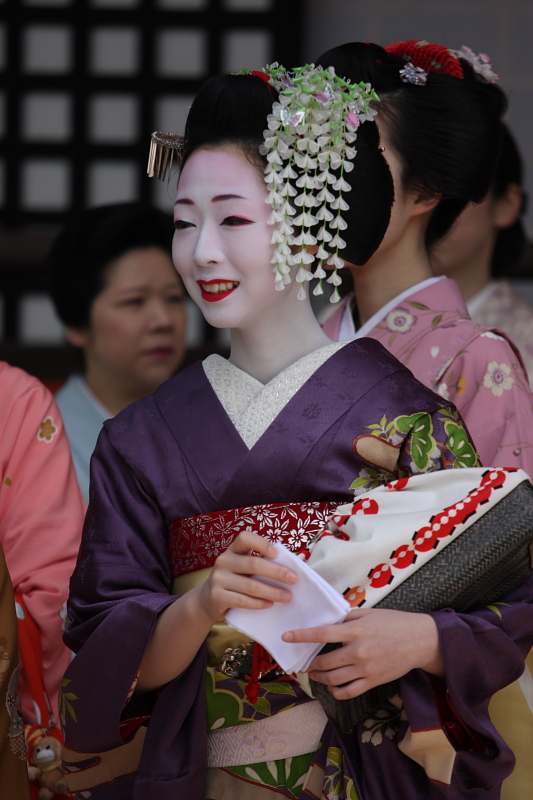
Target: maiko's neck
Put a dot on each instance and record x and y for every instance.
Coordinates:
(269, 346)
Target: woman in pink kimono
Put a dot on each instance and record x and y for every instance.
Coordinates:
(482, 248)
(438, 121)
(41, 516)
(438, 125)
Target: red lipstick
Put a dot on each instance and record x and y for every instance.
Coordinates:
(212, 297)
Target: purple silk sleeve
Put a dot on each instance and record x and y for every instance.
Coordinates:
(121, 584)
(483, 652)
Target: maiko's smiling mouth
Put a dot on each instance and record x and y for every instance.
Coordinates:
(216, 289)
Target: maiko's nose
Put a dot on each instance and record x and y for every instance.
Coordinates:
(208, 251)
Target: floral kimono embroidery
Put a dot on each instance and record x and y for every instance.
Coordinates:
(478, 369)
(41, 517)
(500, 306)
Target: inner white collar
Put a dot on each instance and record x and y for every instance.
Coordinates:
(347, 328)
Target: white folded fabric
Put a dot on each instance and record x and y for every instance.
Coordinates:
(314, 602)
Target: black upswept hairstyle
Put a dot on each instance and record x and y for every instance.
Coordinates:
(447, 132)
(511, 241)
(232, 110)
(77, 263)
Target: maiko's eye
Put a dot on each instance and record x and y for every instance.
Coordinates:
(180, 224)
(232, 221)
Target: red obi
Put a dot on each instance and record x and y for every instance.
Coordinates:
(196, 542)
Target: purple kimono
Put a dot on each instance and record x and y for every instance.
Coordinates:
(175, 455)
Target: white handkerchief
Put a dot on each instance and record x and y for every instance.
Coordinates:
(314, 602)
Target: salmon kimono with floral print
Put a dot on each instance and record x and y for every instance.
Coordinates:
(41, 517)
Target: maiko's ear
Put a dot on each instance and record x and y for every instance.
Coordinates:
(507, 208)
(77, 337)
(424, 203)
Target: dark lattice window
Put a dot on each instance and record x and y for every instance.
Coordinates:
(83, 83)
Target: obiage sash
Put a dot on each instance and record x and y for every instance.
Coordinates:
(196, 543)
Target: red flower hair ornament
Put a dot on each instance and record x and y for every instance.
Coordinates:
(424, 57)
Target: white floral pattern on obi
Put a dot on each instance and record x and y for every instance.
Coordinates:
(196, 542)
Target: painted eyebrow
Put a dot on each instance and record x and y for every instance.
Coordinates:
(184, 201)
(221, 197)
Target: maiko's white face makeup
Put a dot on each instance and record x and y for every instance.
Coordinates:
(222, 244)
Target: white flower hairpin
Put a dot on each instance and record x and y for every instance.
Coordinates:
(309, 147)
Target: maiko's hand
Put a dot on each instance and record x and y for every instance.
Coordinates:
(379, 646)
(230, 584)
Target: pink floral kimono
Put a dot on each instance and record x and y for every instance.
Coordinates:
(480, 370)
(41, 516)
(499, 305)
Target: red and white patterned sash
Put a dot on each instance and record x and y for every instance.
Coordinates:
(196, 542)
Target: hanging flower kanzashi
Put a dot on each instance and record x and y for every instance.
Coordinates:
(309, 147)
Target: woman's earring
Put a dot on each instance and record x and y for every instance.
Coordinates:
(381, 149)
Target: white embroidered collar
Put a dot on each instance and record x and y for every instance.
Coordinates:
(253, 406)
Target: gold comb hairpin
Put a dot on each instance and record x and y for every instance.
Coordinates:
(163, 146)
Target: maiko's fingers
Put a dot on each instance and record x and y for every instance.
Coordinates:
(243, 584)
(352, 689)
(325, 634)
(248, 541)
(238, 600)
(339, 657)
(337, 677)
(255, 565)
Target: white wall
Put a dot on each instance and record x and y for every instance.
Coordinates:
(504, 30)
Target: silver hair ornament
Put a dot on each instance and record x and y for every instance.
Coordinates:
(415, 75)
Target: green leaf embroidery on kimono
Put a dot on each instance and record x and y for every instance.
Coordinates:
(420, 306)
(351, 791)
(333, 781)
(371, 478)
(458, 442)
(279, 688)
(263, 706)
(496, 609)
(436, 320)
(286, 773)
(460, 445)
(335, 756)
(65, 707)
(423, 444)
(224, 708)
(384, 429)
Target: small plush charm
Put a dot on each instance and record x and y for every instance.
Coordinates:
(45, 768)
